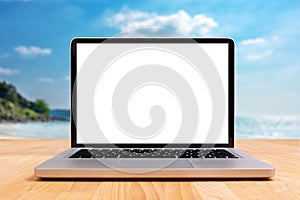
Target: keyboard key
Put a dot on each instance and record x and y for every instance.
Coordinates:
(153, 153)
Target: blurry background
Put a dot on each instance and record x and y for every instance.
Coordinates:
(34, 57)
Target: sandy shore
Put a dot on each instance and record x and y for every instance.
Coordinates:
(10, 136)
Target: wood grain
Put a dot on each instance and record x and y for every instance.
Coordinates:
(19, 157)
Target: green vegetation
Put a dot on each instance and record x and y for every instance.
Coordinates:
(14, 107)
(41, 107)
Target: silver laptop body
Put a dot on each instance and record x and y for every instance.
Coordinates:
(205, 151)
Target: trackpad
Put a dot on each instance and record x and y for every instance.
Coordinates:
(156, 164)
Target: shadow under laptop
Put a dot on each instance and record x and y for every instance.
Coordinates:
(33, 178)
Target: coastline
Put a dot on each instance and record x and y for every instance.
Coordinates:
(16, 122)
(10, 136)
(260, 127)
(44, 119)
(35, 130)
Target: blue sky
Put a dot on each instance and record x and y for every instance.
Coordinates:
(35, 38)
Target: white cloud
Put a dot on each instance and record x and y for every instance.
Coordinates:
(67, 78)
(46, 80)
(258, 48)
(275, 38)
(32, 50)
(253, 41)
(128, 20)
(288, 73)
(6, 71)
(259, 55)
(4, 55)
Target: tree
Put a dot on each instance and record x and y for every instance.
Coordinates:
(41, 107)
(8, 91)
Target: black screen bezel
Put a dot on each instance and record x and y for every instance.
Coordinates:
(228, 41)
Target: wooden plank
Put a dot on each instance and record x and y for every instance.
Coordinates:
(19, 157)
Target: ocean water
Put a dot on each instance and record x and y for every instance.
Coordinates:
(52, 130)
(268, 127)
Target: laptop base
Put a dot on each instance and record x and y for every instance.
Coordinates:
(61, 166)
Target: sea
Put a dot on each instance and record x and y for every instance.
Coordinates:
(246, 127)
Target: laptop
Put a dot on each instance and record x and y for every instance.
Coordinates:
(152, 108)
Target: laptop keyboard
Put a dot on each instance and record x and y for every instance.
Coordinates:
(153, 153)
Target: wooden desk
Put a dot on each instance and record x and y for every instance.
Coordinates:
(19, 157)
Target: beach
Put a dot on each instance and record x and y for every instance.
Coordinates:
(10, 136)
(261, 127)
(35, 130)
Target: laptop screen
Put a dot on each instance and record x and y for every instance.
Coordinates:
(151, 91)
